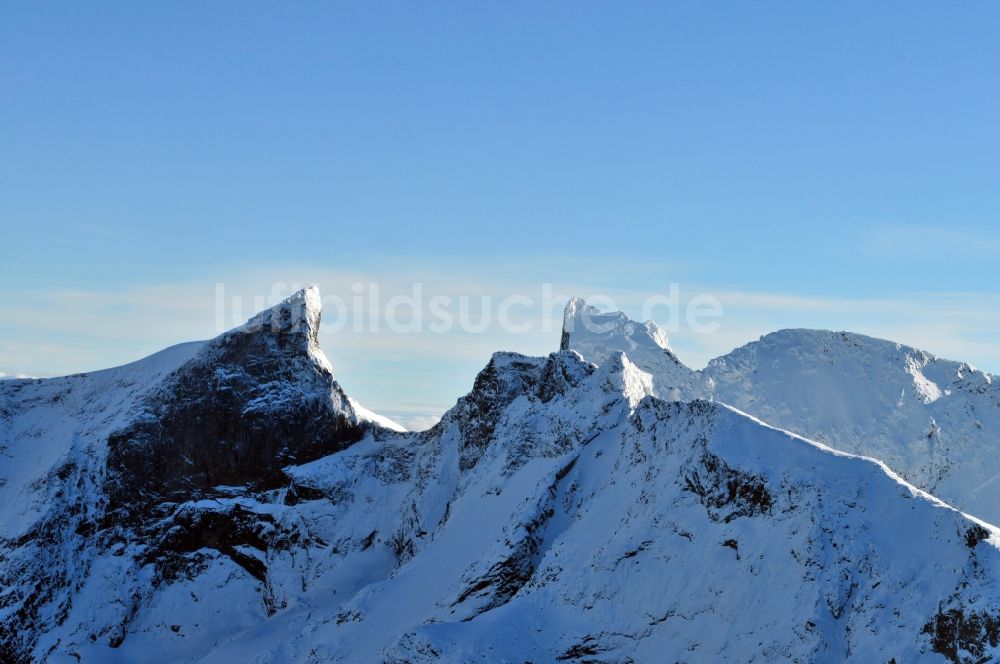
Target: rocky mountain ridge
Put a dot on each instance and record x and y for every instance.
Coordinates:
(228, 503)
(934, 421)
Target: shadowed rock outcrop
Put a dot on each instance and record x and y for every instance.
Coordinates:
(249, 403)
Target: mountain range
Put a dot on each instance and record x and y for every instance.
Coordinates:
(810, 497)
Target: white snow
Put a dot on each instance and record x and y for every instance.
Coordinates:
(370, 416)
(45, 423)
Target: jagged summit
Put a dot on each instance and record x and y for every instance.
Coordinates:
(293, 323)
(603, 333)
(599, 337)
(300, 313)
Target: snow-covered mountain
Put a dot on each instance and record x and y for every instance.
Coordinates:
(227, 502)
(934, 421)
(598, 335)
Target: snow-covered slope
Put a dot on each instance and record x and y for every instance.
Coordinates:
(238, 508)
(934, 421)
(375, 418)
(41, 421)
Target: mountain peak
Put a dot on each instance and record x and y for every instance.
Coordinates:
(298, 314)
(598, 336)
(293, 323)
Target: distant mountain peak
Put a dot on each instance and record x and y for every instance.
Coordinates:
(602, 334)
(601, 337)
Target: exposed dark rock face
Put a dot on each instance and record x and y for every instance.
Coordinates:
(585, 651)
(218, 423)
(223, 530)
(964, 637)
(252, 402)
(726, 492)
(975, 535)
(507, 376)
(563, 372)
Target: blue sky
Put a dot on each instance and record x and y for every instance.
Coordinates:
(831, 166)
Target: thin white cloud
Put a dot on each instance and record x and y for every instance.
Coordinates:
(413, 421)
(11, 375)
